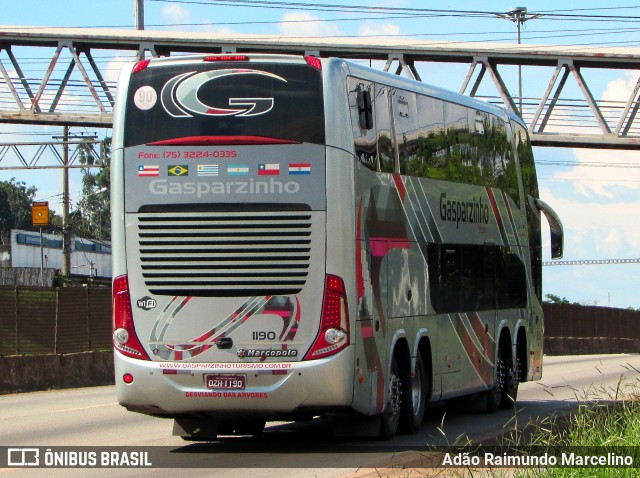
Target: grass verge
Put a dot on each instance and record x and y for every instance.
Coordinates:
(607, 423)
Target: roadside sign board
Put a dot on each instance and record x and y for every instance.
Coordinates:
(40, 214)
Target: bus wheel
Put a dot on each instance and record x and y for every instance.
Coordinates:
(494, 396)
(510, 388)
(414, 395)
(391, 415)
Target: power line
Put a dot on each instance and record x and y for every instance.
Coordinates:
(418, 11)
(328, 7)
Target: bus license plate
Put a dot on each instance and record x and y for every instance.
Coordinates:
(225, 382)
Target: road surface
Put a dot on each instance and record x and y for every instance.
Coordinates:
(90, 417)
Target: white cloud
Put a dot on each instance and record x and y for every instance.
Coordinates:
(594, 231)
(590, 181)
(111, 72)
(620, 89)
(210, 27)
(372, 29)
(598, 207)
(305, 24)
(606, 230)
(175, 13)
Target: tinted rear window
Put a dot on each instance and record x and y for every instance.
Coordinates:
(281, 101)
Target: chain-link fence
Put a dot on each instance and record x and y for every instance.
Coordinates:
(35, 320)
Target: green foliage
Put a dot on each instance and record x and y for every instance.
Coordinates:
(92, 218)
(556, 299)
(613, 424)
(16, 200)
(89, 218)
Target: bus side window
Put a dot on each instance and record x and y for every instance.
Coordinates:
(386, 148)
(530, 184)
(506, 177)
(483, 130)
(364, 139)
(430, 155)
(405, 117)
(458, 143)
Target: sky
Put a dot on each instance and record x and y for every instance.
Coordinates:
(598, 203)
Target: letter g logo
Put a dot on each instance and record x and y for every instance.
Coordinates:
(180, 95)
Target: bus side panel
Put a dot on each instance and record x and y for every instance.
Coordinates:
(341, 256)
(117, 179)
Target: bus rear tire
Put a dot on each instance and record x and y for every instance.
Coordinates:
(494, 396)
(503, 395)
(510, 388)
(414, 393)
(390, 418)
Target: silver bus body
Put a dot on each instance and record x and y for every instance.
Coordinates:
(295, 237)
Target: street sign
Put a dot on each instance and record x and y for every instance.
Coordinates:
(40, 214)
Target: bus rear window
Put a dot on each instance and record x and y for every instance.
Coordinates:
(280, 102)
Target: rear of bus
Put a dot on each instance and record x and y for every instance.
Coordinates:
(222, 301)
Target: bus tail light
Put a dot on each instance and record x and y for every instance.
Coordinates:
(141, 65)
(125, 339)
(314, 62)
(334, 324)
(226, 58)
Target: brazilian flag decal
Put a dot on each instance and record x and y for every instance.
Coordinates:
(178, 170)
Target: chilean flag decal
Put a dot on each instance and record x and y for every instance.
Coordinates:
(268, 169)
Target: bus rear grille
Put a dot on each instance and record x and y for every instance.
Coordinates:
(225, 254)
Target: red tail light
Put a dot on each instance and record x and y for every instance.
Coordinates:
(125, 339)
(334, 324)
(314, 62)
(226, 58)
(141, 65)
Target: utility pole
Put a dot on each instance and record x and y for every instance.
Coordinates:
(138, 22)
(138, 14)
(66, 230)
(66, 197)
(519, 16)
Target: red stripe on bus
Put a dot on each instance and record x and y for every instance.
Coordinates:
(482, 334)
(402, 190)
(380, 246)
(221, 140)
(483, 368)
(359, 269)
(496, 213)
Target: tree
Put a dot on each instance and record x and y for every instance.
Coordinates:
(556, 299)
(16, 200)
(92, 218)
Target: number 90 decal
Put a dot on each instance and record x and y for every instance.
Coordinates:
(145, 98)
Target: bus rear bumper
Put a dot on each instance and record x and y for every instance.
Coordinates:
(271, 389)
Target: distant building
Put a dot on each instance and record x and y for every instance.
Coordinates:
(89, 257)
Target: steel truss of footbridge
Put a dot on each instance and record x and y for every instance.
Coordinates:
(67, 77)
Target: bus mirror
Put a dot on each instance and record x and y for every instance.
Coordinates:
(365, 109)
(557, 232)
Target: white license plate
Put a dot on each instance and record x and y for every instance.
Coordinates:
(225, 382)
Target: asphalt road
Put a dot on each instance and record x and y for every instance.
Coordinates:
(90, 417)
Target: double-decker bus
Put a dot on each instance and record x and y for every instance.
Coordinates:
(297, 237)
